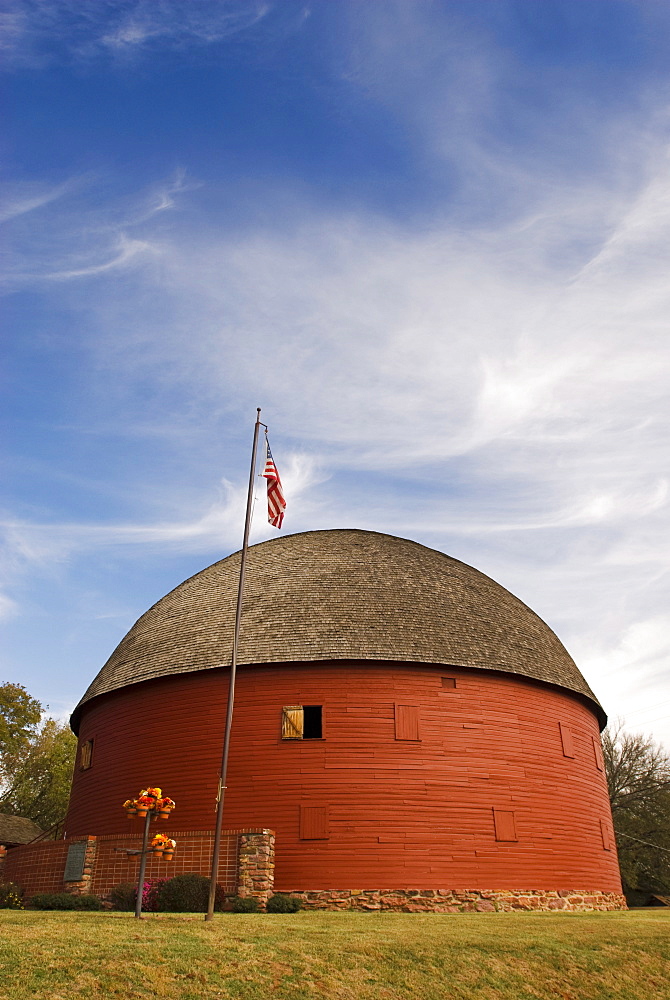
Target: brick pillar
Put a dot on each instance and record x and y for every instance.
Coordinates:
(256, 871)
(85, 884)
(3, 855)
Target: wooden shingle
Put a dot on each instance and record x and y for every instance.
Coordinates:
(340, 595)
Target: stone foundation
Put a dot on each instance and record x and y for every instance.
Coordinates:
(459, 900)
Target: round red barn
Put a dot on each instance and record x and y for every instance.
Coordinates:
(401, 721)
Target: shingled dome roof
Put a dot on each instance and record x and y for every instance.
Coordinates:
(340, 595)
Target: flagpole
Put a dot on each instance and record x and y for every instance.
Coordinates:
(231, 686)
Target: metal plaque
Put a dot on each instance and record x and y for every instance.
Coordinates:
(74, 866)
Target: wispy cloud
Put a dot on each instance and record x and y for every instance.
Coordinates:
(63, 231)
(125, 250)
(8, 607)
(216, 527)
(516, 392)
(180, 24)
(485, 372)
(21, 197)
(33, 32)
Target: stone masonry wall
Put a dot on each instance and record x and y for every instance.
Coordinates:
(459, 901)
(256, 865)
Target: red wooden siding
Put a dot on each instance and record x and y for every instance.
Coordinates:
(402, 813)
(314, 823)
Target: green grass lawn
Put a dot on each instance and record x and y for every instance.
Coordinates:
(388, 956)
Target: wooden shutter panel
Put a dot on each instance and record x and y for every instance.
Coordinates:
(505, 827)
(566, 740)
(314, 823)
(86, 755)
(597, 753)
(292, 722)
(407, 722)
(605, 834)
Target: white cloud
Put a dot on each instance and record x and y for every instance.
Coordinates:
(66, 231)
(217, 526)
(632, 673)
(490, 382)
(204, 23)
(461, 388)
(124, 251)
(33, 32)
(8, 607)
(18, 198)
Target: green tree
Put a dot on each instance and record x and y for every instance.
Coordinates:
(36, 759)
(20, 716)
(638, 777)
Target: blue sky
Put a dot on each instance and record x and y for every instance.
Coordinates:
(429, 239)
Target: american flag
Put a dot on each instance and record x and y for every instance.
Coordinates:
(276, 502)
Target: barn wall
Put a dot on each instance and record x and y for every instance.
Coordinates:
(413, 780)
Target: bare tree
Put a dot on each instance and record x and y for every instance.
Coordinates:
(638, 776)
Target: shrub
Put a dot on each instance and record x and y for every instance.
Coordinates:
(246, 904)
(123, 896)
(151, 894)
(64, 901)
(188, 893)
(281, 902)
(11, 896)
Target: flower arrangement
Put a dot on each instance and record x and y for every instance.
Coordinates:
(150, 800)
(169, 849)
(163, 844)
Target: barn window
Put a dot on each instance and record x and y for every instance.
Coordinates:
(314, 823)
(566, 740)
(449, 682)
(86, 755)
(407, 722)
(302, 722)
(505, 827)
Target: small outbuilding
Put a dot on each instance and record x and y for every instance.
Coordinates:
(15, 830)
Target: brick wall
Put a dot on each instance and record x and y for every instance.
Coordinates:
(38, 867)
(246, 865)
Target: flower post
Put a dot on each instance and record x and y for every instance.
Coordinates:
(151, 804)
